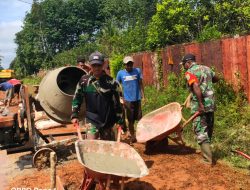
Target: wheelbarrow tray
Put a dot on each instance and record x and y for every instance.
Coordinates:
(102, 158)
(159, 123)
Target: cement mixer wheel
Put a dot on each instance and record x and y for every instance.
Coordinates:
(41, 158)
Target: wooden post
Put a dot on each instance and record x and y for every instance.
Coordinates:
(119, 131)
(108, 182)
(53, 170)
(122, 184)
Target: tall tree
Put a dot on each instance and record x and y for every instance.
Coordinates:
(170, 24)
(233, 17)
(54, 26)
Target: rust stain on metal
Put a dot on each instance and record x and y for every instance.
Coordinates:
(248, 64)
(230, 56)
(148, 69)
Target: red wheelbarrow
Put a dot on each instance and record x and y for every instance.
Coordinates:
(108, 162)
(156, 126)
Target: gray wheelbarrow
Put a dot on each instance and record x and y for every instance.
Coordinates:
(107, 162)
(157, 126)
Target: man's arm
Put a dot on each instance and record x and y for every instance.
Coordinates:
(141, 85)
(142, 88)
(117, 103)
(197, 91)
(76, 103)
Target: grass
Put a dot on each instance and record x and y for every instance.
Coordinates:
(232, 118)
(32, 80)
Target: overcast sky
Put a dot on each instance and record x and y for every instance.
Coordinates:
(12, 13)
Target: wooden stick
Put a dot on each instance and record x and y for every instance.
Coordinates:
(108, 182)
(191, 118)
(78, 131)
(119, 130)
(53, 170)
(122, 184)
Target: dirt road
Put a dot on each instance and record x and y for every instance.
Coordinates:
(171, 168)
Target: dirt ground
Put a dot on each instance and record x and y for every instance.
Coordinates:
(171, 167)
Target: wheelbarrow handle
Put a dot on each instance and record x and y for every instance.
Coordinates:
(76, 125)
(187, 100)
(191, 119)
(241, 153)
(119, 131)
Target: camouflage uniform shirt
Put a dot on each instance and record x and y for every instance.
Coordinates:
(203, 76)
(103, 108)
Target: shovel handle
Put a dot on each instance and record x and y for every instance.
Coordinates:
(76, 125)
(191, 119)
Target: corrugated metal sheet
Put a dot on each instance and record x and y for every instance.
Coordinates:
(227, 71)
(230, 56)
(234, 58)
(149, 74)
(195, 49)
(241, 57)
(211, 54)
(248, 64)
(165, 66)
(138, 60)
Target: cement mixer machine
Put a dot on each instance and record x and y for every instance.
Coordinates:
(56, 90)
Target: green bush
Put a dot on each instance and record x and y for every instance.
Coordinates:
(32, 80)
(232, 117)
(116, 64)
(209, 33)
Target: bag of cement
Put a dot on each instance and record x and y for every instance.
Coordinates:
(47, 124)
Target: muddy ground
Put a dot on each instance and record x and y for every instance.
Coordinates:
(171, 167)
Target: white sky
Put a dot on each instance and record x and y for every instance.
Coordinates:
(12, 13)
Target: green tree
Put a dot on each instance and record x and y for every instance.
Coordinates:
(125, 27)
(170, 24)
(54, 26)
(233, 17)
(189, 20)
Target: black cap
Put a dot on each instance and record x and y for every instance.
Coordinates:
(188, 57)
(96, 58)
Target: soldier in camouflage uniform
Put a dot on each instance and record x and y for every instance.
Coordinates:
(200, 81)
(100, 93)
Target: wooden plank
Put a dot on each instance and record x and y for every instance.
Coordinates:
(6, 122)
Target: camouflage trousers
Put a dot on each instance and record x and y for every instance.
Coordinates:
(106, 133)
(203, 127)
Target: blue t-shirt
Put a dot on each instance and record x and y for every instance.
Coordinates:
(5, 86)
(130, 84)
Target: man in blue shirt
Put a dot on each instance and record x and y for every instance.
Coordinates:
(10, 87)
(133, 91)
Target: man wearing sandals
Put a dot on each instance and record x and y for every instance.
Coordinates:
(200, 81)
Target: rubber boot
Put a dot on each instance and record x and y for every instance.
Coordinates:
(207, 153)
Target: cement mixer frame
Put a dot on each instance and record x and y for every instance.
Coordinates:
(28, 138)
(31, 138)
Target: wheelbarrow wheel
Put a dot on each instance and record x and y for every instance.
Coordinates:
(156, 145)
(41, 159)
